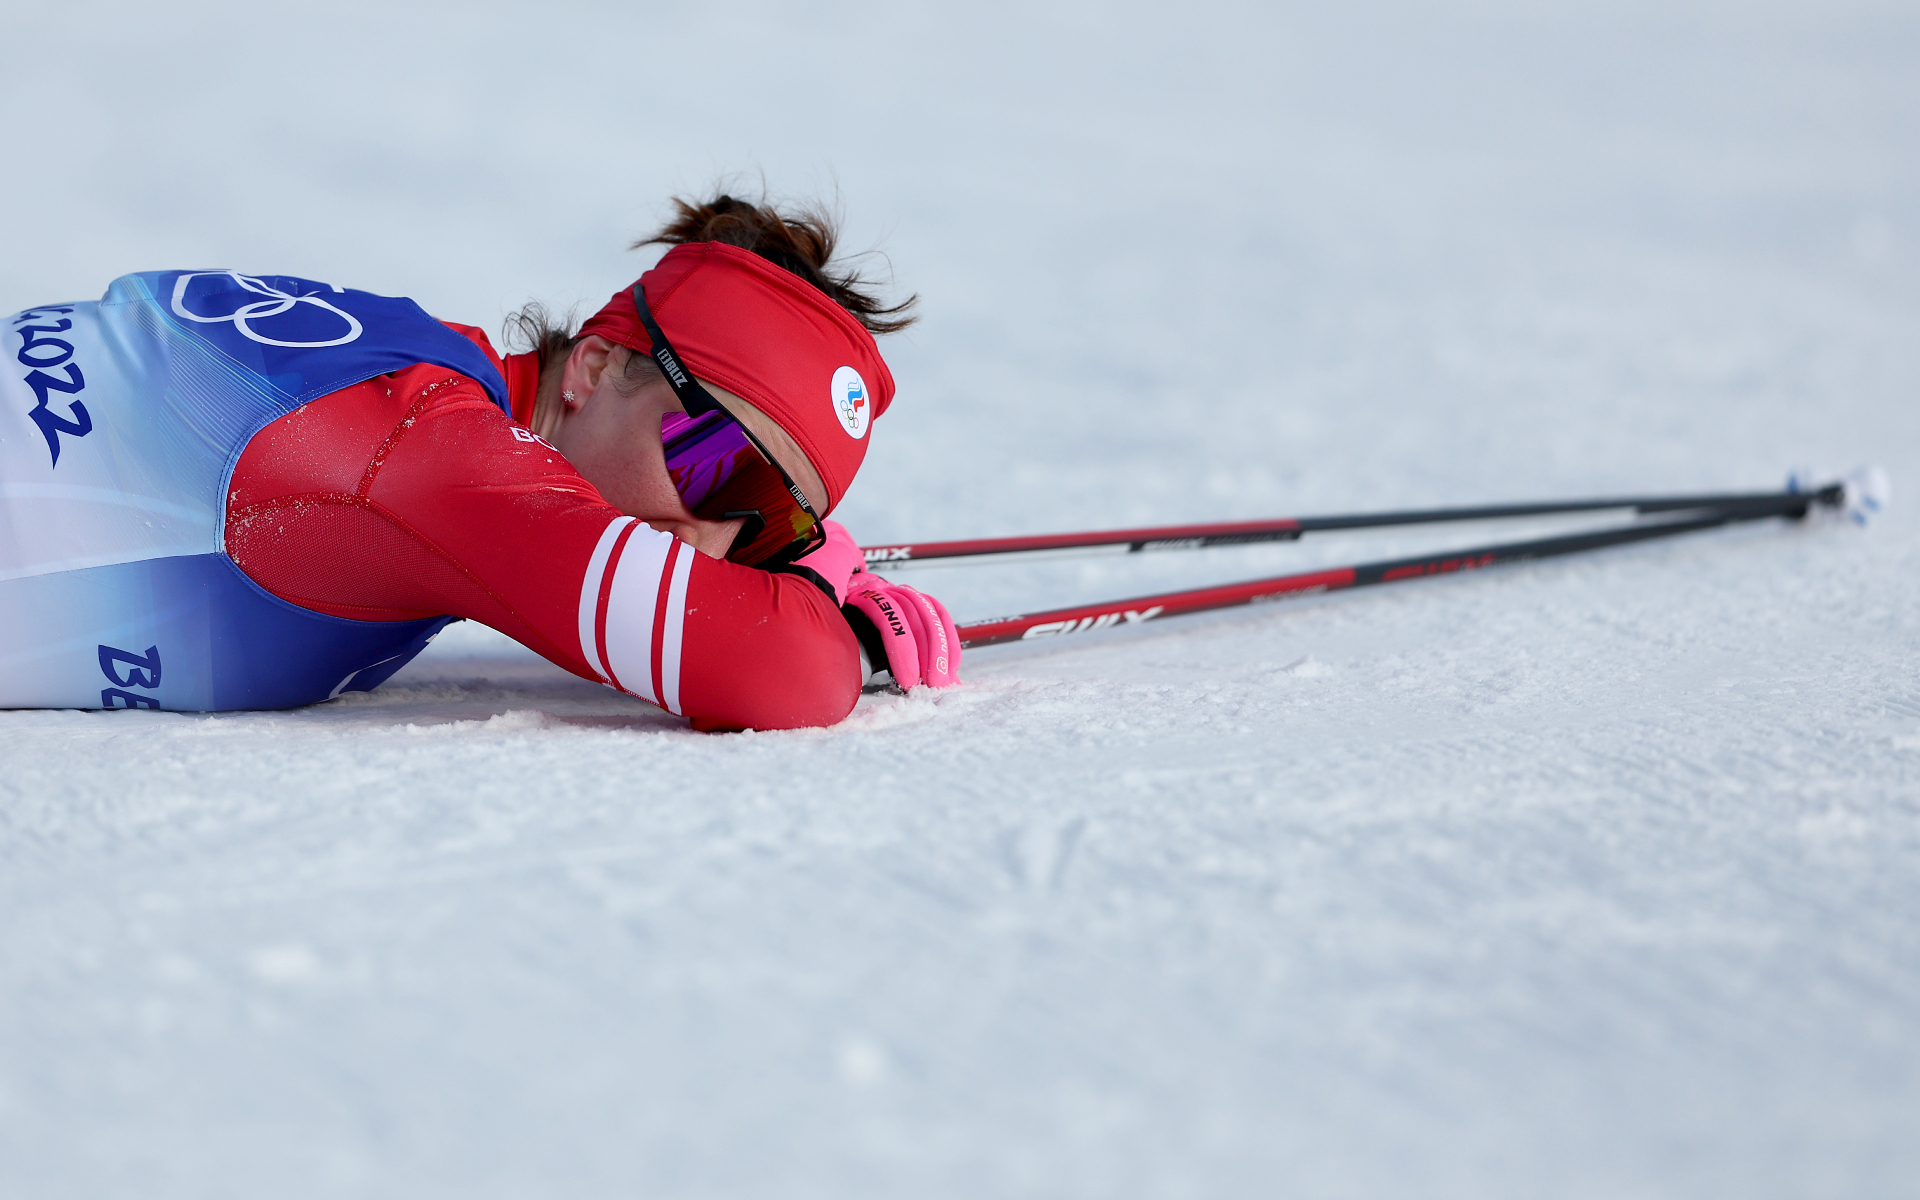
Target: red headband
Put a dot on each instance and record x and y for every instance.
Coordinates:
(768, 335)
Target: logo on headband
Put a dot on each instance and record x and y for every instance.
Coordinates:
(851, 403)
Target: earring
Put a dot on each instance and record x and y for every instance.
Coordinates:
(568, 397)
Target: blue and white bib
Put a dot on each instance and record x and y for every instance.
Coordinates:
(120, 424)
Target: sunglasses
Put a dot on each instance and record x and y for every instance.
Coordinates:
(724, 473)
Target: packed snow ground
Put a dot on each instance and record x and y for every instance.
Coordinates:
(1591, 878)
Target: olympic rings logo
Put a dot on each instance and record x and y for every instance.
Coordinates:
(278, 302)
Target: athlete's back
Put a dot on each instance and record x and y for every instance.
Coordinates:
(258, 492)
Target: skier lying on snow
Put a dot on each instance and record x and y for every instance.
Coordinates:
(229, 492)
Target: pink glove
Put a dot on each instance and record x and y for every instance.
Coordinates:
(836, 562)
(921, 640)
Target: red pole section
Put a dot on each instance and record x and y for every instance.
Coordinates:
(1168, 537)
(1088, 617)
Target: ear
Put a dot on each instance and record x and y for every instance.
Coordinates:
(584, 367)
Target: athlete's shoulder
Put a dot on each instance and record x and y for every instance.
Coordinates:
(421, 398)
(478, 337)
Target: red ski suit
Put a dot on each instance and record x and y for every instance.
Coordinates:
(412, 495)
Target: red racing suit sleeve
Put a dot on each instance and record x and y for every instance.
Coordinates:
(412, 495)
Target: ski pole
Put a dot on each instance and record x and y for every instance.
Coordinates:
(1086, 617)
(1283, 529)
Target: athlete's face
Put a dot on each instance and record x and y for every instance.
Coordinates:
(610, 432)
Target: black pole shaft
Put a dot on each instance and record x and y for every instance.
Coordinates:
(1762, 503)
(1394, 570)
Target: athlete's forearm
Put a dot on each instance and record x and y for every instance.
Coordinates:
(728, 646)
(765, 651)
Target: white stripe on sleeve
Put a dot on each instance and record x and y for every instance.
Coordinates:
(671, 631)
(630, 603)
(590, 594)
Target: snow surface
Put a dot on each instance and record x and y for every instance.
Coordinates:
(1592, 878)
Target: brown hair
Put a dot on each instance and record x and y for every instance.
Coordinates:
(801, 240)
